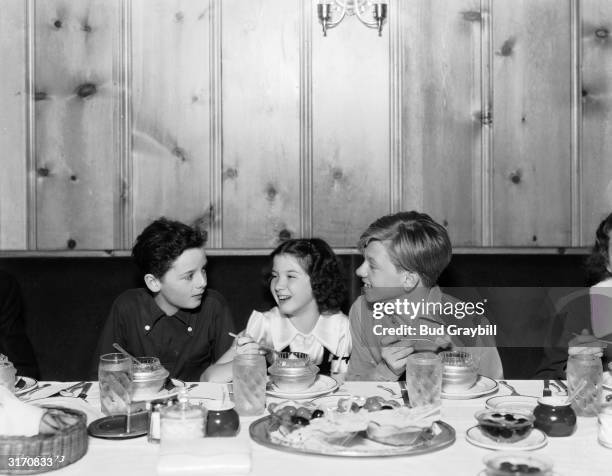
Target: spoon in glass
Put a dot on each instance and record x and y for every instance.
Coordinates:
(126, 353)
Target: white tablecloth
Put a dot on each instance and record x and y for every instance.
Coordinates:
(579, 454)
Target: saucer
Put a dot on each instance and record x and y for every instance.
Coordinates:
(322, 385)
(517, 403)
(536, 439)
(113, 427)
(483, 386)
(23, 384)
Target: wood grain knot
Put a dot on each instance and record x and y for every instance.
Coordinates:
(585, 93)
(284, 235)
(602, 33)
(57, 24)
(337, 173)
(86, 90)
(71, 244)
(180, 153)
(231, 173)
(507, 47)
(271, 192)
(471, 16)
(534, 238)
(73, 178)
(179, 16)
(40, 96)
(86, 28)
(515, 177)
(43, 172)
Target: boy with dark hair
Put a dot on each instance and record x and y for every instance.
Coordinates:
(175, 318)
(404, 254)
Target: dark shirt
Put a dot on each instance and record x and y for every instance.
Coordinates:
(14, 342)
(186, 343)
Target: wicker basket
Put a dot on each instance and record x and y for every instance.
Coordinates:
(41, 453)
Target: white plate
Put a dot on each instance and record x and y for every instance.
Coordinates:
(607, 381)
(483, 386)
(535, 440)
(163, 393)
(30, 383)
(512, 403)
(322, 385)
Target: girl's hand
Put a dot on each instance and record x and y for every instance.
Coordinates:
(246, 345)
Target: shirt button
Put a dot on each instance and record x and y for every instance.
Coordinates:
(189, 329)
(147, 327)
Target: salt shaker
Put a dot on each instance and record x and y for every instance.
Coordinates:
(584, 376)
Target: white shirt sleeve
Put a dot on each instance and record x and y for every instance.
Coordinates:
(258, 327)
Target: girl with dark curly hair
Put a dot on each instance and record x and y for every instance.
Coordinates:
(308, 286)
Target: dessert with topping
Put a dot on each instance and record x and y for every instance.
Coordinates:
(505, 427)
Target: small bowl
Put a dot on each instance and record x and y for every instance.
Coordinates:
(517, 464)
(505, 427)
(459, 372)
(148, 377)
(293, 374)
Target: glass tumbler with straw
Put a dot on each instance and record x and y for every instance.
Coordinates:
(115, 378)
(249, 383)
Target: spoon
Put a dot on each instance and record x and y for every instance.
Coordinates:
(510, 387)
(263, 346)
(126, 353)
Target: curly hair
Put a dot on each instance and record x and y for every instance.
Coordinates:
(161, 243)
(598, 262)
(414, 241)
(324, 268)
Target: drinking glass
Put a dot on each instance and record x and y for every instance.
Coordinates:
(249, 382)
(424, 379)
(115, 378)
(584, 377)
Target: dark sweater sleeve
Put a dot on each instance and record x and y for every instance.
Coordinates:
(14, 342)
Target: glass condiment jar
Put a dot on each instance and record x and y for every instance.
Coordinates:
(555, 416)
(584, 377)
(221, 419)
(148, 377)
(182, 421)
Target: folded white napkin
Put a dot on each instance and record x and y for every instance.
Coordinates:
(16, 417)
(205, 456)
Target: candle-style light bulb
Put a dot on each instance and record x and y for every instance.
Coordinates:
(323, 10)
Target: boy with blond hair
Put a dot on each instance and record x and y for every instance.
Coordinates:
(404, 254)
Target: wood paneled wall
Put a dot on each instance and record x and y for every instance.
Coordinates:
(494, 116)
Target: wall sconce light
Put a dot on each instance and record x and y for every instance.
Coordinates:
(339, 9)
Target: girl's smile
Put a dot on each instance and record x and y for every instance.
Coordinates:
(291, 287)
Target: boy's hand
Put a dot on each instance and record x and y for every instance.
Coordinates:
(246, 345)
(586, 344)
(395, 352)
